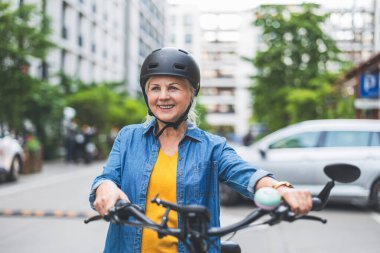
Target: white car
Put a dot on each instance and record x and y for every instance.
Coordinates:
(11, 157)
(298, 154)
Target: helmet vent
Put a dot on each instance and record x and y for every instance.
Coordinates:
(153, 65)
(183, 51)
(179, 66)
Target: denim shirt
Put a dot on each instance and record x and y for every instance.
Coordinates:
(203, 160)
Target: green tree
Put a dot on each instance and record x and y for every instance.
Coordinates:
(293, 81)
(24, 36)
(100, 106)
(44, 107)
(202, 121)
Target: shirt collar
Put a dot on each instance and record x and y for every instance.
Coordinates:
(191, 132)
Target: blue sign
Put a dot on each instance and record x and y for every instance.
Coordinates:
(369, 85)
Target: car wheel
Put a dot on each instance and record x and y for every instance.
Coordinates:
(15, 169)
(375, 196)
(228, 196)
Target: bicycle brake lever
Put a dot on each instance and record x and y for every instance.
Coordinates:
(312, 217)
(93, 218)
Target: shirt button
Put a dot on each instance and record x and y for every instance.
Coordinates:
(180, 173)
(180, 158)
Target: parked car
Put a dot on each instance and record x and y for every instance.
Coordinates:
(11, 157)
(298, 154)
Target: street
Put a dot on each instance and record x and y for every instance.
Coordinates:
(66, 187)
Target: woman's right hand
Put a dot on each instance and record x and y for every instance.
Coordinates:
(106, 196)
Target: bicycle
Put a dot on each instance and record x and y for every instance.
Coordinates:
(194, 231)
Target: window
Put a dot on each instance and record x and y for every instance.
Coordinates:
(302, 140)
(188, 20)
(188, 38)
(63, 19)
(347, 139)
(375, 139)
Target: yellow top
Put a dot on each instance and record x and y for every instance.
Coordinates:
(163, 182)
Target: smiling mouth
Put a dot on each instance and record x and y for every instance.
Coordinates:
(166, 106)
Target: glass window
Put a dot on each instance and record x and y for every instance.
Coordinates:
(375, 139)
(187, 20)
(347, 139)
(302, 140)
(188, 38)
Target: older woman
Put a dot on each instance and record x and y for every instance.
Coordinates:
(170, 156)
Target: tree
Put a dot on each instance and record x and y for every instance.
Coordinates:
(100, 106)
(294, 79)
(24, 36)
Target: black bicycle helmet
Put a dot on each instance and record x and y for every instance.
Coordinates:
(170, 61)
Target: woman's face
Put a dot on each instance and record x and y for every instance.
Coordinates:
(168, 97)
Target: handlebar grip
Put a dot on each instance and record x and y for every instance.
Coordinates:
(317, 204)
(121, 203)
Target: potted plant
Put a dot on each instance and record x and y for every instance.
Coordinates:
(33, 155)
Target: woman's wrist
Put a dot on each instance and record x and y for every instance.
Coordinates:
(282, 184)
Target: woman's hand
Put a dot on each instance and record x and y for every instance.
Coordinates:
(106, 196)
(300, 201)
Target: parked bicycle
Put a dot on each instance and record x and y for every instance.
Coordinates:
(194, 231)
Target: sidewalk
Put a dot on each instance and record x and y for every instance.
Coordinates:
(53, 172)
(59, 166)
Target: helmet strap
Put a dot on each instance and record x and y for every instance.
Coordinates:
(175, 124)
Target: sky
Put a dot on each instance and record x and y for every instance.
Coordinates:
(247, 4)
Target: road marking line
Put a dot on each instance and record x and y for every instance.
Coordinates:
(376, 217)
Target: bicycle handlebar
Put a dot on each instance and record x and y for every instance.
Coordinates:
(123, 211)
(194, 231)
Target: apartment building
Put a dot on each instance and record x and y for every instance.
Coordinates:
(226, 37)
(90, 39)
(145, 31)
(218, 39)
(101, 41)
(355, 28)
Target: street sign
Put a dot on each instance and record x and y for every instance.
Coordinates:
(369, 85)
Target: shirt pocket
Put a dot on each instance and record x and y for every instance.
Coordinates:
(205, 179)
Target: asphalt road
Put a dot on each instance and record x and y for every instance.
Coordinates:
(65, 187)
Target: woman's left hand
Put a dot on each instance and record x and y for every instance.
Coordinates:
(300, 201)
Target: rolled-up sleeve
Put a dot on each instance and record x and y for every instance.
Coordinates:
(237, 173)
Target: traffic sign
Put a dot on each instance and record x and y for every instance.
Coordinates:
(369, 85)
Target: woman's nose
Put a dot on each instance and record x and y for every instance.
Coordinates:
(164, 94)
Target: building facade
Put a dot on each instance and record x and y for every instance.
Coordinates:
(101, 41)
(218, 39)
(90, 39)
(356, 29)
(145, 31)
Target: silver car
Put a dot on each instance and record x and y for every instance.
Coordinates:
(298, 154)
(11, 157)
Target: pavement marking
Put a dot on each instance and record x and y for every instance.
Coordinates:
(376, 217)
